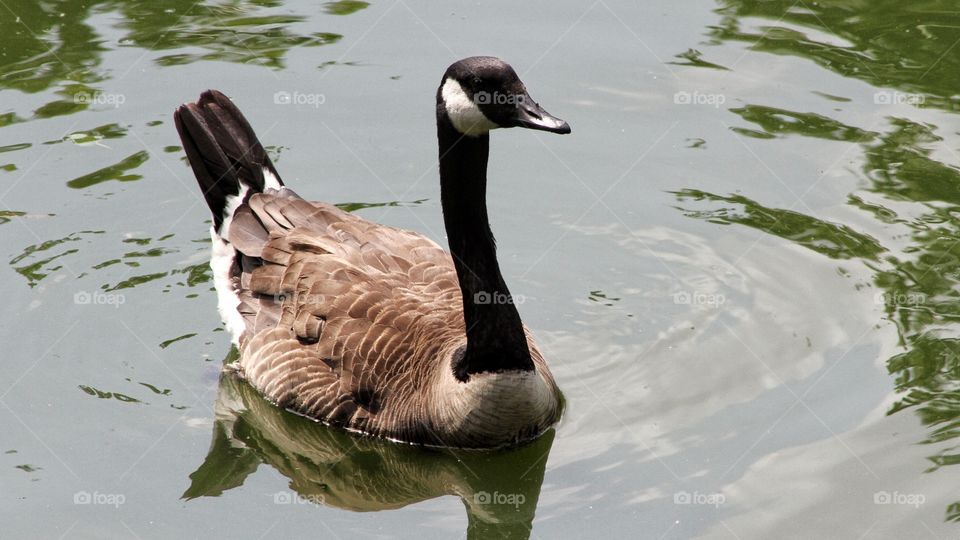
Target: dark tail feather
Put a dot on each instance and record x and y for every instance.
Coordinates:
(223, 150)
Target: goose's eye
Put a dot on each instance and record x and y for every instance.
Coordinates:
(476, 82)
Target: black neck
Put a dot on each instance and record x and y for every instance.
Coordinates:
(495, 337)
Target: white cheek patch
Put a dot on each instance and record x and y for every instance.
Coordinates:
(464, 114)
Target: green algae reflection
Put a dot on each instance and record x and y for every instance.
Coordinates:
(888, 45)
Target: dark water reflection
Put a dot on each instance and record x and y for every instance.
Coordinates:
(333, 468)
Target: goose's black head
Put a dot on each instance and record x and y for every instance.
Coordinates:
(481, 93)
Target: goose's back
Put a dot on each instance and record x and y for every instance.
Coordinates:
(345, 320)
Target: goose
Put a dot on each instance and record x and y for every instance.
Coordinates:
(372, 328)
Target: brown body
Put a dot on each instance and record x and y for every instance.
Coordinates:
(355, 324)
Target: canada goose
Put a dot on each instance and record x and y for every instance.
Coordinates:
(370, 327)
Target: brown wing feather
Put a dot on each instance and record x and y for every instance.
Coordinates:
(343, 315)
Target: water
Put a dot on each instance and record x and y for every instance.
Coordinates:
(743, 266)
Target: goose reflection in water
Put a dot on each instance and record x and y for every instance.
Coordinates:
(335, 468)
